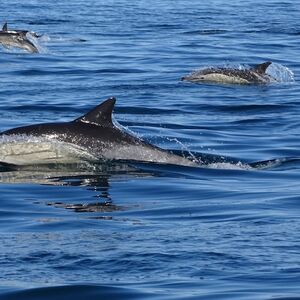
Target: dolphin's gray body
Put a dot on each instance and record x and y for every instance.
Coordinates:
(255, 75)
(18, 39)
(94, 134)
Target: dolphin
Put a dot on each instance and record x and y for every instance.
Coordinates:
(93, 136)
(255, 75)
(18, 39)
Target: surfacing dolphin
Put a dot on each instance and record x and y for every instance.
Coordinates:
(18, 38)
(91, 136)
(255, 75)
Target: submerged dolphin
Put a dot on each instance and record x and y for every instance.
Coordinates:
(18, 39)
(92, 136)
(255, 75)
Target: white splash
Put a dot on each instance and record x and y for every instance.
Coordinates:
(229, 166)
(36, 42)
(280, 73)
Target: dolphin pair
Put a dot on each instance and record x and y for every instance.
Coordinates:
(91, 136)
(255, 75)
(18, 38)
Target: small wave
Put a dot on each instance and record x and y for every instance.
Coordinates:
(88, 207)
(293, 31)
(252, 108)
(65, 39)
(75, 292)
(206, 32)
(271, 164)
(279, 164)
(48, 21)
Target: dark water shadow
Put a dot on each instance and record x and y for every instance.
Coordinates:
(74, 292)
(178, 291)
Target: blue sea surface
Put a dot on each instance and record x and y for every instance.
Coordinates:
(229, 229)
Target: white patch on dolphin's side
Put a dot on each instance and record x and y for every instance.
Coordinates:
(218, 77)
(24, 150)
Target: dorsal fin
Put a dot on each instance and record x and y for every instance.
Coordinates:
(261, 68)
(101, 115)
(4, 28)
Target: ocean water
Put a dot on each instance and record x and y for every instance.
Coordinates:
(229, 229)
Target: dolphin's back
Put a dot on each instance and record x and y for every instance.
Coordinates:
(93, 133)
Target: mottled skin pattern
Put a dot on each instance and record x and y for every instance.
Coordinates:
(248, 75)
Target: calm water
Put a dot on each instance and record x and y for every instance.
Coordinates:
(222, 231)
